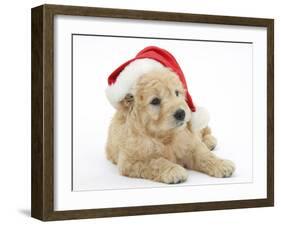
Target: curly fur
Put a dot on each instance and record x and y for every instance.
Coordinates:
(146, 141)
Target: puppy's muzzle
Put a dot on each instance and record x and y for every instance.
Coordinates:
(179, 115)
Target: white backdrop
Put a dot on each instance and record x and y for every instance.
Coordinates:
(15, 112)
(219, 76)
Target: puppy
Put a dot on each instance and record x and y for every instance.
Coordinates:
(151, 134)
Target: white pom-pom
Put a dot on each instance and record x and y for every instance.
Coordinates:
(199, 119)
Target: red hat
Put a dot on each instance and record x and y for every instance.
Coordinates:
(154, 53)
(123, 79)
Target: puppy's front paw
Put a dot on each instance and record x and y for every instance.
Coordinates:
(174, 175)
(223, 168)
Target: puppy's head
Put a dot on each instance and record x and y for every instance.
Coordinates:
(158, 102)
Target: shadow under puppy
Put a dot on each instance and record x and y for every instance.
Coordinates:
(156, 132)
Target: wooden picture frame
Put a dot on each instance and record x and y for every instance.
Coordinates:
(42, 203)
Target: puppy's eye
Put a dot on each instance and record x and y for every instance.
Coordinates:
(177, 93)
(155, 101)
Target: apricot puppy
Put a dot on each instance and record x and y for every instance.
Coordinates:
(151, 135)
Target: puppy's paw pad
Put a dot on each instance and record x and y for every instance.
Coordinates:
(175, 175)
(210, 141)
(224, 169)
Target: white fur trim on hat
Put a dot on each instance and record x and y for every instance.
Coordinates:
(199, 119)
(128, 77)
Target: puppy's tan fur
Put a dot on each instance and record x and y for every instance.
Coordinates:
(145, 141)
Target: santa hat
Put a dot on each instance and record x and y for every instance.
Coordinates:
(122, 80)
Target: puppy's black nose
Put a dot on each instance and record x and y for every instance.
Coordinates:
(179, 115)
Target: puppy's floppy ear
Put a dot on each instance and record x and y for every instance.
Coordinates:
(128, 101)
